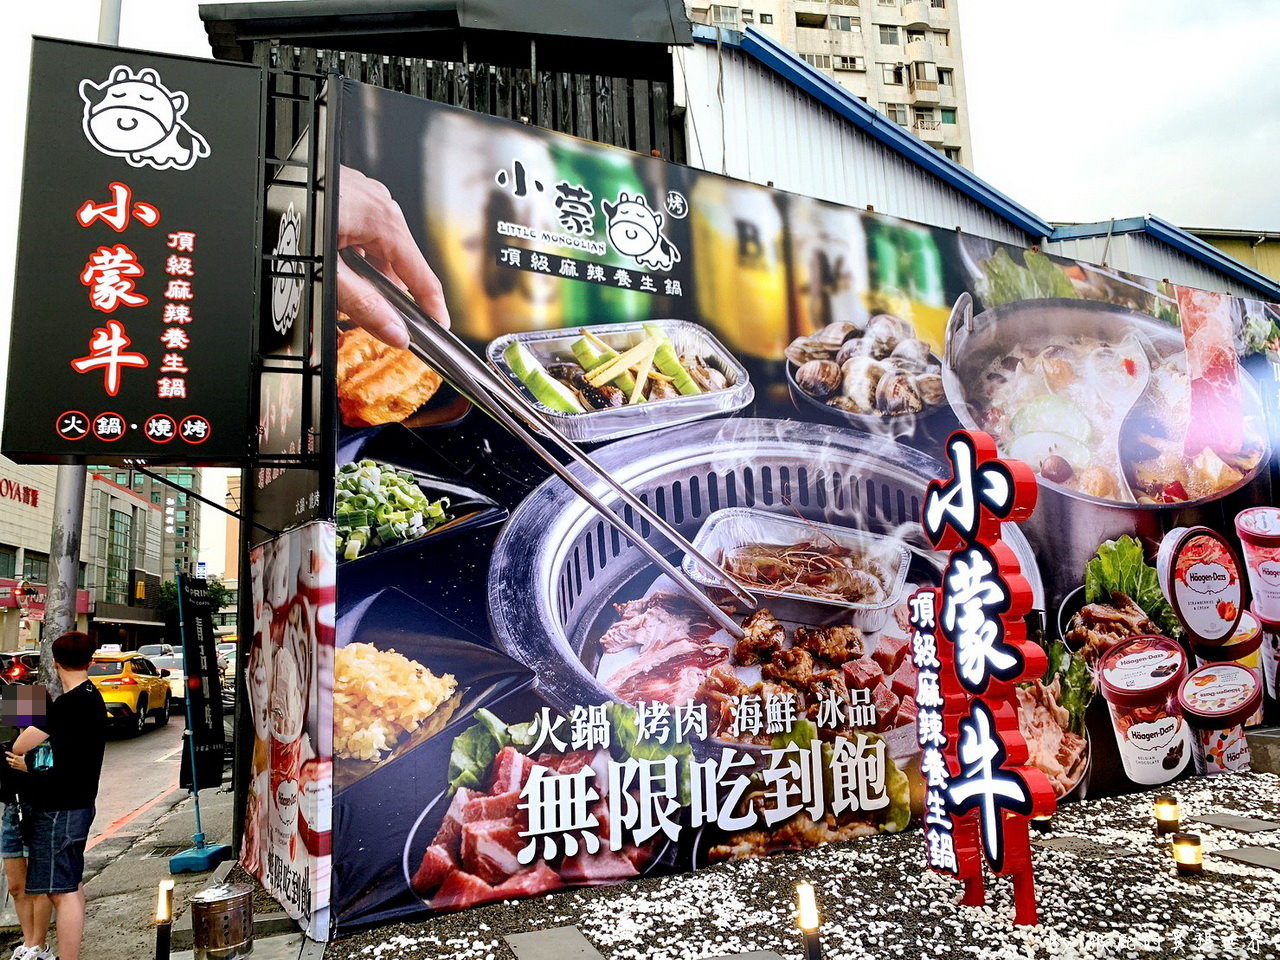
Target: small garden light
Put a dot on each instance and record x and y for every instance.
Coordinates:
(808, 921)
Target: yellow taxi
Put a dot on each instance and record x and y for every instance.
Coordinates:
(132, 688)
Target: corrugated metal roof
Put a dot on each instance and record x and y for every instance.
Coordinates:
(817, 85)
(746, 120)
(1163, 250)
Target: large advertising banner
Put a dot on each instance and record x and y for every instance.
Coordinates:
(287, 837)
(523, 702)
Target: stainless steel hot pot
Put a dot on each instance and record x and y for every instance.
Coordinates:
(1068, 526)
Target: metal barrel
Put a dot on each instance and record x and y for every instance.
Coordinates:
(222, 922)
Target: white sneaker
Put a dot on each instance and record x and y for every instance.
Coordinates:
(21, 952)
(38, 953)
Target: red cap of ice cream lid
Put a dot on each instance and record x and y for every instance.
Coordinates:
(1141, 671)
(1259, 526)
(1219, 696)
(1246, 641)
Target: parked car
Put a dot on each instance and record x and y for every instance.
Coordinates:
(22, 666)
(153, 650)
(176, 671)
(132, 687)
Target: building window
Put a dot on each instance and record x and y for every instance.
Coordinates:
(119, 530)
(846, 24)
(8, 562)
(182, 499)
(888, 34)
(766, 18)
(156, 496)
(942, 38)
(35, 567)
(913, 36)
(927, 72)
(813, 21)
(945, 76)
(721, 16)
(951, 153)
(897, 112)
(122, 479)
(888, 3)
(851, 63)
(820, 60)
(138, 479)
(948, 114)
(938, 4)
(186, 479)
(924, 113)
(182, 514)
(748, 16)
(891, 73)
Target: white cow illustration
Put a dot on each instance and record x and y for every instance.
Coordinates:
(135, 116)
(636, 231)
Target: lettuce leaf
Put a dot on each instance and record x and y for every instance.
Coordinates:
(1004, 281)
(474, 750)
(1076, 683)
(1120, 567)
(626, 739)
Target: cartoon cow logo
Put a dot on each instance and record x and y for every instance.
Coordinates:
(286, 289)
(635, 230)
(135, 116)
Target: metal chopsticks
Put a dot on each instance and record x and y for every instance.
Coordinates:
(491, 392)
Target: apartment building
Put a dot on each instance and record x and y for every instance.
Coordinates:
(119, 558)
(180, 532)
(903, 58)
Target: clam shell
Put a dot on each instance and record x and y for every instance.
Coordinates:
(862, 376)
(803, 349)
(929, 386)
(836, 333)
(885, 332)
(819, 378)
(896, 394)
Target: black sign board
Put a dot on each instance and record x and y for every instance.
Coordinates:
(204, 684)
(135, 289)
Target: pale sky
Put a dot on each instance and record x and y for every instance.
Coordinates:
(1080, 111)
(1096, 109)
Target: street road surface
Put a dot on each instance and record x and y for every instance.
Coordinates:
(137, 771)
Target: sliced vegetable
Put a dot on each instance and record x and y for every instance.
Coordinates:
(591, 352)
(621, 363)
(1035, 448)
(669, 363)
(377, 506)
(546, 389)
(1053, 413)
(642, 379)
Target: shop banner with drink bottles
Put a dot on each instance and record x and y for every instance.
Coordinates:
(523, 703)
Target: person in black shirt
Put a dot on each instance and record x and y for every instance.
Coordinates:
(58, 803)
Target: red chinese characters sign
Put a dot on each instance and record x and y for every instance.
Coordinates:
(135, 288)
(969, 642)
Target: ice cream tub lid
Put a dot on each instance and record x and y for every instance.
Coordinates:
(1142, 671)
(1199, 574)
(1219, 696)
(1268, 626)
(1246, 641)
(1259, 526)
